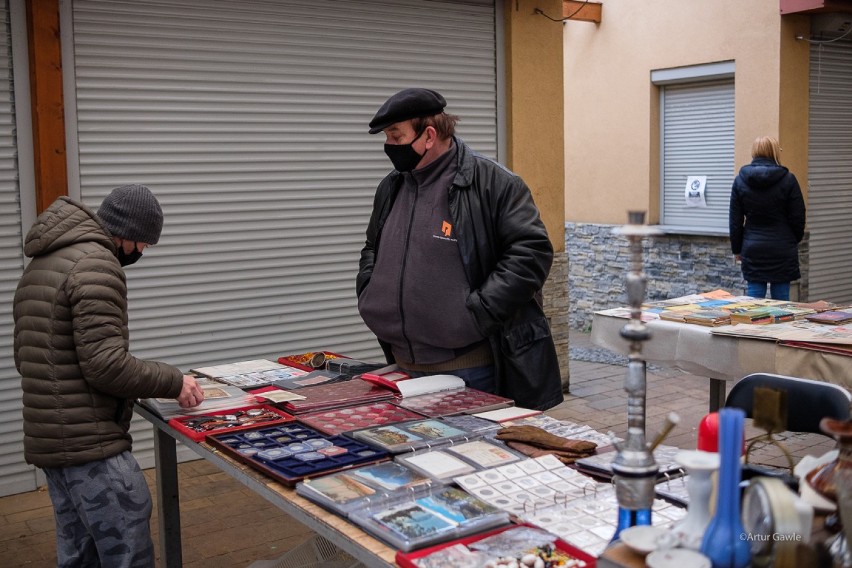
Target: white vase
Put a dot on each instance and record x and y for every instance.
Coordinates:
(699, 485)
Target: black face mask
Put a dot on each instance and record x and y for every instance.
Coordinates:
(126, 259)
(403, 156)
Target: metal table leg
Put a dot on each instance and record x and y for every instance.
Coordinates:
(168, 500)
(717, 394)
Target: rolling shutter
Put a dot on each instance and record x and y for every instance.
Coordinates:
(15, 475)
(830, 172)
(248, 120)
(697, 130)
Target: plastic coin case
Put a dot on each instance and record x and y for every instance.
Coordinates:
(291, 452)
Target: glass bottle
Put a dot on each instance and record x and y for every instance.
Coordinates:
(723, 542)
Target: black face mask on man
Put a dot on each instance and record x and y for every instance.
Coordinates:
(403, 156)
(128, 258)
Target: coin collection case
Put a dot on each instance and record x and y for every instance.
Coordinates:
(339, 420)
(292, 452)
(458, 401)
(198, 427)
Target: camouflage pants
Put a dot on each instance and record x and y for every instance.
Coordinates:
(102, 511)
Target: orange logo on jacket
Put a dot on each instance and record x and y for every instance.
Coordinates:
(446, 228)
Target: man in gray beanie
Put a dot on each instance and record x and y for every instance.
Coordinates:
(134, 219)
(79, 379)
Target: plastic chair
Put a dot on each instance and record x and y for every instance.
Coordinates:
(808, 402)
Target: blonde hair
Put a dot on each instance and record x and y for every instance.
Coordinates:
(766, 147)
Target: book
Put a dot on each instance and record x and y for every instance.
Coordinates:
(830, 317)
(506, 414)
(762, 316)
(428, 517)
(411, 435)
(708, 317)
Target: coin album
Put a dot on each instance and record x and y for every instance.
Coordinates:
(347, 419)
(458, 401)
(429, 516)
(232, 420)
(412, 435)
(347, 393)
(365, 486)
(290, 452)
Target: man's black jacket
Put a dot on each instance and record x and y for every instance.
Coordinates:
(507, 256)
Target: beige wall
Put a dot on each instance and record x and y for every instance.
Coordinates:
(534, 98)
(612, 109)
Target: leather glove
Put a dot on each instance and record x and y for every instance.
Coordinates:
(535, 436)
(534, 452)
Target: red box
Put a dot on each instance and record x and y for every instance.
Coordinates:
(302, 360)
(406, 559)
(179, 424)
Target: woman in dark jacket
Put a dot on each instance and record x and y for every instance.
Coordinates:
(767, 222)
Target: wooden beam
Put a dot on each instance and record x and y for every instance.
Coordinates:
(582, 11)
(815, 6)
(48, 111)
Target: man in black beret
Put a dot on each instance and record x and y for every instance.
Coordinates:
(455, 287)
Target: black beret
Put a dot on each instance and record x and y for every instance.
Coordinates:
(405, 105)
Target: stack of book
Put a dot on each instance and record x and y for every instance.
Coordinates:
(763, 315)
(709, 318)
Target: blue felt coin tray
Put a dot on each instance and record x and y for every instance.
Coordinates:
(291, 452)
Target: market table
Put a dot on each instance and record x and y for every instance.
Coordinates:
(343, 534)
(697, 350)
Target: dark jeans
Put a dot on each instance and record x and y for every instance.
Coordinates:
(778, 290)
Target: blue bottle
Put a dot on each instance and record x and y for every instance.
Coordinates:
(723, 543)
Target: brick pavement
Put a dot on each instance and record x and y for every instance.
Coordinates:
(225, 525)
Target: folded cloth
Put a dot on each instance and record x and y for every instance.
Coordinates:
(540, 438)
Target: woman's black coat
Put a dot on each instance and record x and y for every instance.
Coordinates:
(767, 221)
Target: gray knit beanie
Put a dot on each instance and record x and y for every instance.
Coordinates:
(132, 212)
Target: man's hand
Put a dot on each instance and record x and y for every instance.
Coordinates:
(191, 394)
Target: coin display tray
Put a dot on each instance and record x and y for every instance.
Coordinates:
(292, 452)
(229, 421)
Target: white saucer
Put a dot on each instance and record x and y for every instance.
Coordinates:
(677, 558)
(643, 539)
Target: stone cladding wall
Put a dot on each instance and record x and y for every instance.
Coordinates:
(556, 309)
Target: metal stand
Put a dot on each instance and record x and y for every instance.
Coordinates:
(634, 465)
